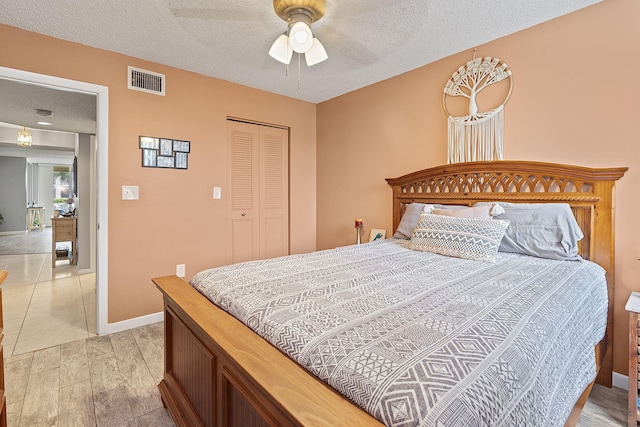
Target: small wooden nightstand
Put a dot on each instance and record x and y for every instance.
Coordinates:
(64, 230)
(633, 307)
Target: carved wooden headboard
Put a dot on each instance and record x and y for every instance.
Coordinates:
(588, 191)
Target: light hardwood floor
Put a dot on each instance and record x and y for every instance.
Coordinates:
(111, 381)
(99, 381)
(606, 407)
(59, 379)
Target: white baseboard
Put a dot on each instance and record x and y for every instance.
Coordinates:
(620, 381)
(135, 322)
(9, 233)
(85, 271)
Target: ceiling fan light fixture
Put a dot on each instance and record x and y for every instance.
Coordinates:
(316, 54)
(299, 15)
(280, 50)
(300, 37)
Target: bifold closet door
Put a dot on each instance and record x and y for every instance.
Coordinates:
(258, 208)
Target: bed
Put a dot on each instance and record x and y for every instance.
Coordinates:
(219, 372)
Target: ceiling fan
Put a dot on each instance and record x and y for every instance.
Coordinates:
(344, 46)
(299, 15)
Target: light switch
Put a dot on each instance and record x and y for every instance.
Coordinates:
(130, 192)
(217, 192)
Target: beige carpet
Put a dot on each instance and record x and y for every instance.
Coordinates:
(34, 242)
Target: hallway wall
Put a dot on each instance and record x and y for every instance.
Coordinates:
(13, 193)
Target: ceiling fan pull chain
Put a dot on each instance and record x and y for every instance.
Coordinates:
(288, 50)
(298, 71)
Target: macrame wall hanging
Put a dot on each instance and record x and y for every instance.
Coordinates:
(477, 136)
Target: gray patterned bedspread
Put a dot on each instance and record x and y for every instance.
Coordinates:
(421, 339)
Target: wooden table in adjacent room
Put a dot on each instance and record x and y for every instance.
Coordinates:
(35, 217)
(64, 230)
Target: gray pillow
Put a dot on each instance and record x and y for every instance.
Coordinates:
(544, 230)
(411, 216)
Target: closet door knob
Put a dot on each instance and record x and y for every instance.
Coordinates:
(244, 214)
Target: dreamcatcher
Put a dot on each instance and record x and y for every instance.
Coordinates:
(477, 136)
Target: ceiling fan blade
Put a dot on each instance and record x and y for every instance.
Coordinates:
(214, 14)
(344, 44)
(346, 29)
(342, 9)
(218, 10)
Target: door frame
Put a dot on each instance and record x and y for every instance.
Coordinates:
(102, 174)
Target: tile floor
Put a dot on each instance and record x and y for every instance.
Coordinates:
(58, 372)
(44, 306)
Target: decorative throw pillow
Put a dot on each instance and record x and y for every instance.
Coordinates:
(468, 238)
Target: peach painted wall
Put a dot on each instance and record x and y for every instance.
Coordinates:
(176, 219)
(575, 100)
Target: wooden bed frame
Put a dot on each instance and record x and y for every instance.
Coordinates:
(220, 373)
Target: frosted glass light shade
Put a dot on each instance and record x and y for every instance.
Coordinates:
(280, 50)
(300, 37)
(24, 137)
(316, 54)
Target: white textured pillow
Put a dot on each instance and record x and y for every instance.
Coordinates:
(468, 238)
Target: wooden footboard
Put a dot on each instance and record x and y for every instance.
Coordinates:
(219, 373)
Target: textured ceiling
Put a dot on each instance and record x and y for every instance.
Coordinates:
(71, 111)
(367, 40)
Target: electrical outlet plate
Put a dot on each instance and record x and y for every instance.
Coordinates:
(217, 193)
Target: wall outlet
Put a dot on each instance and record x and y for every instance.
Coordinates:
(217, 193)
(180, 270)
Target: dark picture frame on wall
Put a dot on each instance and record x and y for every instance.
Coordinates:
(166, 161)
(164, 153)
(149, 157)
(166, 147)
(181, 161)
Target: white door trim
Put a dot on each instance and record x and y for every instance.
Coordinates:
(102, 174)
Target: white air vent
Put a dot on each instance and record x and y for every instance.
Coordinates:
(146, 81)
